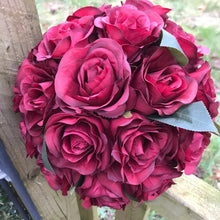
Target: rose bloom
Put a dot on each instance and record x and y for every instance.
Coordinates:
(191, 149)
(34, 99)
(75, 32)
(85, 12)
(135, 24)
(77, 142)
(139, 144)
(34, 87)
(158, 182)
(206, 90)
(95, 78)
(100, 191)
(62, 179)
(187, 42)
(32, 136)
(161, 84)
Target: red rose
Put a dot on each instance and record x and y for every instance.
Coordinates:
(145, 5)
(32, 141)
(206, 90)
(34, 88)
(135, 24)
(77, 142)
(34, 98)
(84, 12)
(188, 45)
(158, 182)
(191, 149)
(75, 32)
(95, 78)
(100, 191)
(139, 145)
(161, 84)
(62, 180)
(56, 41)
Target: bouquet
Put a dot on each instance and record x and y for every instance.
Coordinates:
(116, 102)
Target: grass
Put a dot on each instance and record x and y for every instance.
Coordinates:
(7, 209)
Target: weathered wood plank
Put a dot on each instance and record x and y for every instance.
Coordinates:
(133, 211)
(20, 31)
(90, 214)
(190, 198)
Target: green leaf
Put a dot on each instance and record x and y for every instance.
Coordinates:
(45, 158)
(193, 117)
(78, 184)
(217, 126)
(80, 181)
(131, 197)
(169, 41)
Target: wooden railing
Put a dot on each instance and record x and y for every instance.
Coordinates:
(190, 199)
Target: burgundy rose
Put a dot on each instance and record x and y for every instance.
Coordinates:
(145, 5)
(75, 32)
(100, 191)
(206, 90)
(32, 141)
(77, 142)
(161, 84)
(188, 45)
(85, 12)
(34, 88)
(139, 145)
(62, 179)
(95, 78)
(158, 182)
(191, 149)
(135, 24)
(56, 41)
(34, 98)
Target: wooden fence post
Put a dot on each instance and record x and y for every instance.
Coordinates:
(19, 32)
(189, 199)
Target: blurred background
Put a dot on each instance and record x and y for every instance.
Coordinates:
(200, 18)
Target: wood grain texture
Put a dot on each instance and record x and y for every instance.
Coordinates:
(133, 211)
(19, 33)
(86, 214)
(189, 199)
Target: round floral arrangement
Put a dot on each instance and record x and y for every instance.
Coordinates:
(116, 102)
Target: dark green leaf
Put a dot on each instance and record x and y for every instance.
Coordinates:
(217, 126)
(193, 117)
(78, 184)
(80, 181)
(45, 158)
(131, 197)
(169, 41)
